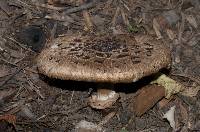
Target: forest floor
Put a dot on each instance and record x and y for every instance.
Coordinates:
(30, 101)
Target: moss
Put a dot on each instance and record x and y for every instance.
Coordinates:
(132, 28)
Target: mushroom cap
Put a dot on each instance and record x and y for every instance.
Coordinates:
(103, 58)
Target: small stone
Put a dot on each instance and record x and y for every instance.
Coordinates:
(85, 126)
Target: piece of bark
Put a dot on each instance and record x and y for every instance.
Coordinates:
(147, 97)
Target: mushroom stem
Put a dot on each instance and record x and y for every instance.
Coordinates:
(104, 90)
(105, 96)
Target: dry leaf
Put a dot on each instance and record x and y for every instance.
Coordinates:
(191, 92)
(191, 19)
(157, 28)
(148, 96)
(170, 34)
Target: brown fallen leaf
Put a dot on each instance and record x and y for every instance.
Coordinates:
(164, 23)
(191, 92)
(148, 96)
(162, 103)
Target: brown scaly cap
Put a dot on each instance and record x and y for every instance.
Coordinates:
(107, 58)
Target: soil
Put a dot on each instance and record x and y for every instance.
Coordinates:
(39, 103)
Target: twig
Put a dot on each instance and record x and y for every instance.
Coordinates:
(125, 19)
(181, 28)
(87, 18)
(8, 79)
(19, 44)
(53, 31)
(71, 97)
(180, 33)
(14, 64)
(188, 76)
(124, 3)
(35, 88)
(50, 7)
(115, 16)
(8, 62)
(107, 118)
(80, 8)
(22, 3)
(148, 130)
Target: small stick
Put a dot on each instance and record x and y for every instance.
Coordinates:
(125, 19)
(71, 97)
(50, 7)
(124, 4)
(115, 16)
(188, 76)
(6, 81)
(107, 118)
(19, 44)
(8, 62)
(22, 3)
(35, 88)
(81, 7)
(87, 18)
(14, 64)
(53, 32)
(180, 34)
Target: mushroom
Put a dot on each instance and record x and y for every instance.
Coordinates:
(104, 59)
